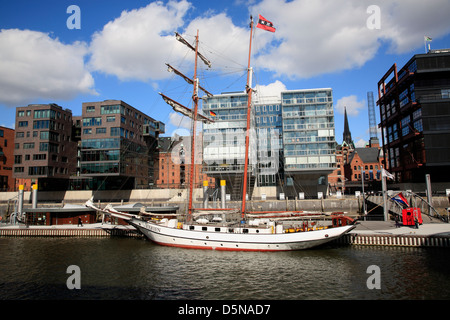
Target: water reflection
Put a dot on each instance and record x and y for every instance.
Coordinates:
(115, 268)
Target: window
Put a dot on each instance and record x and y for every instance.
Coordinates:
(28, 145)
(115, 131)
(20, 134)
(445, 93)
(87, 131)
(20, 113)
(112, 109)
(100, 130)
(94, 121)
(418, 125)
(110, 118)
(90, 109)
(39, 156)
(23, 124)
(405, 125)
(40, 114)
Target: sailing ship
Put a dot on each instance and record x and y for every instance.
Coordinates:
(263, 231)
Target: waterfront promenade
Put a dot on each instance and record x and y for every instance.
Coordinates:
(389, 228)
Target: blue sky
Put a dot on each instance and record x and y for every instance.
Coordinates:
(120, 50)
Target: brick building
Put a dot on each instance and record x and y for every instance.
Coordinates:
(7, 180)
(355, 164)
(118, 144)
(43, 147)
(172, 171)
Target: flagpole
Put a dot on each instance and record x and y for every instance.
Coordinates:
(247, 134)
(383, 187)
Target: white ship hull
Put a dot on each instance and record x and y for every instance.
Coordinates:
(220, 238)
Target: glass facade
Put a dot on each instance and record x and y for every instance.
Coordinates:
(224, 140)
(308, 130)
(117, 145)
(291, 135)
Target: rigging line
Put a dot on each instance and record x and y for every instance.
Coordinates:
(214, 52)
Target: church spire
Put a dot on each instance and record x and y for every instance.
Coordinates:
(347, 138)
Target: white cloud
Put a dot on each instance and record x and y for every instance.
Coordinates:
(180, 121)
(361, 143)
(139, 43)
(270, 92)
(325, 36)
(352, 105)
(35, 66)
(223, 43)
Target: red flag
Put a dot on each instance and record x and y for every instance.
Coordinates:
(265, 24)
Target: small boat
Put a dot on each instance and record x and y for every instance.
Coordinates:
(263, 231)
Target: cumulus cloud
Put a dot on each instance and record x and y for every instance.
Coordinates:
(137, 45)
(325, 36)
(224, 44)
(180, 121)
(352, 105)
(270, 92)
(35, 66)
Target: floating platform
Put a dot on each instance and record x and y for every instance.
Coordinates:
(96, 230)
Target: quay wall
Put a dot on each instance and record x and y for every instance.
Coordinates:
(170, 197)
(66, 232)
(394, 240)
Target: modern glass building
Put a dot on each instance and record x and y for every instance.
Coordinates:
(308, 140)
(414, 107)
(292, 141)
(224, 140)
(118, 144)
(269, 143)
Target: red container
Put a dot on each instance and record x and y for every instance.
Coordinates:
(409, 215)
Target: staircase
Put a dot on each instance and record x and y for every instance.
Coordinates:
(237, 187)
(414, 200)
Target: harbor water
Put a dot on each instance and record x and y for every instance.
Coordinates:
(136, 269)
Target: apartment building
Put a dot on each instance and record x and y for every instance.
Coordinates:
(292, 141)
(118, 144)
(7, 180)
(308, 140)
(44, 151)
(414, 104)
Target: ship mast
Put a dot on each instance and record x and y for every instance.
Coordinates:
(193, 114)
(249, 90)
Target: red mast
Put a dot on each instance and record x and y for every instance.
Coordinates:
(194, 129)
(249, 91)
